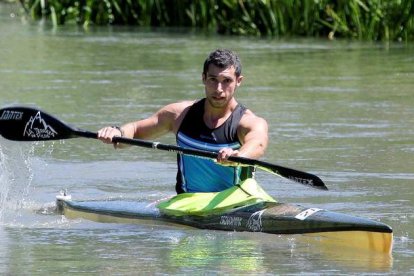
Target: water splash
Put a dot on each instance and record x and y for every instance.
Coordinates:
(16, 176)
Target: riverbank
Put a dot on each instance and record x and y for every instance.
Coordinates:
(372, 20)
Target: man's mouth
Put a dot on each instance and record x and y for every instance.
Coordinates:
(218, 98)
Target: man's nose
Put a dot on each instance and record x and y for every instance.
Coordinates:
(220, 86)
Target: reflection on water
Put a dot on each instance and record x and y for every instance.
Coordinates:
(248, 252)
(108, 248)
(210, 250)
(348, 257)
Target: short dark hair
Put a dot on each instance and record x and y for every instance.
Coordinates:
(223, 58)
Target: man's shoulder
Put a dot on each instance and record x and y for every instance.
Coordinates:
(179, 107)
(250, 118)
(248, 113)
(177, 111)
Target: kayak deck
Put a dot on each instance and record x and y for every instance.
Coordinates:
(266, 217)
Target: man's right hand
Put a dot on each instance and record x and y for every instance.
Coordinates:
(106, 134)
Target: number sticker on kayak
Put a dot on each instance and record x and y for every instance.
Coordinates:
(308, 212)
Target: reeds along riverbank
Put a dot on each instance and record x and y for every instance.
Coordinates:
(380, 20)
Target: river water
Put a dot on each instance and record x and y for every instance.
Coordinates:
(341, 110)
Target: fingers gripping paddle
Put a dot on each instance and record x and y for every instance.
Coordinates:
(28, 124)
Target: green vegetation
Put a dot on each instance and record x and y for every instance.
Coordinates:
(391, 20)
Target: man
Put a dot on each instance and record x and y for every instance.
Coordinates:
(216, 123)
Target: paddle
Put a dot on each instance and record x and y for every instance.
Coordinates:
(29, 124)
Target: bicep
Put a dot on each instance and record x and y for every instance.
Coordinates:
(257, 130)
(253, 135)
(160, 123)
(149, 128)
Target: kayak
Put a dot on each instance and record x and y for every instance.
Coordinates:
(256, 212)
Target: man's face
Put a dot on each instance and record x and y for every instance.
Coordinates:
(220, 85)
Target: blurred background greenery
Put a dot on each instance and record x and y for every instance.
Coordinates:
(376, 20)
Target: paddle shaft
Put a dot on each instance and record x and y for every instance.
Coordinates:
(292, 174)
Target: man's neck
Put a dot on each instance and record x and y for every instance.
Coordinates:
(215, 117)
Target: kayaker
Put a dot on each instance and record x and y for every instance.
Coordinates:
(216, 123)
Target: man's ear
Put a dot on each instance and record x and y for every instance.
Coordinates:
(203, 78)
(239, 80)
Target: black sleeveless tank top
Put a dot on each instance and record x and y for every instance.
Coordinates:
(204, 175)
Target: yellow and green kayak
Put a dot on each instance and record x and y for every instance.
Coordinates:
(245, 207)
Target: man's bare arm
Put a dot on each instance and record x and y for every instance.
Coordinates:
(163, 121)
(253, 134)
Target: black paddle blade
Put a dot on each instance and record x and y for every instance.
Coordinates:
(303, 178)
(29, 124)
